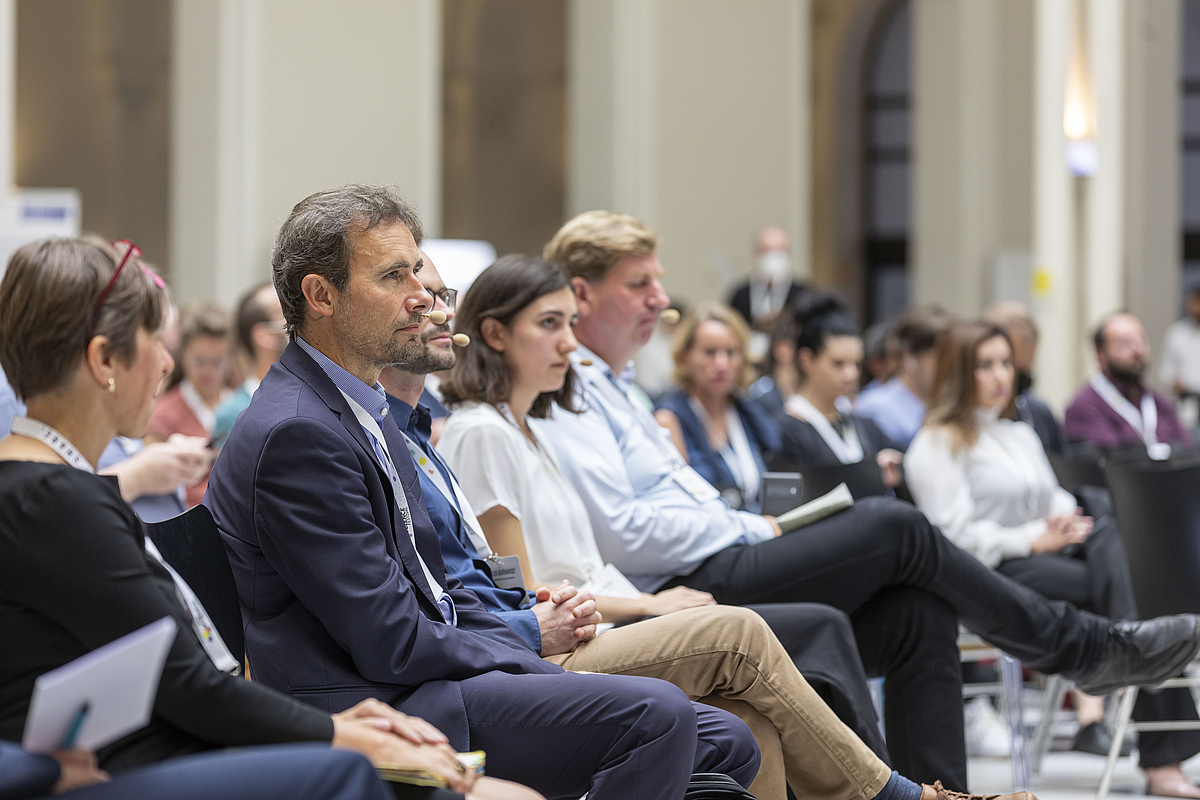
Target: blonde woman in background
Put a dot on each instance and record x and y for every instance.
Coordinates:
(724, 437)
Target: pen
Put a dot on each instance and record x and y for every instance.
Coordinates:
(68, 741)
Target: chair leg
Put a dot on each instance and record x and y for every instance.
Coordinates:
(1013, 684)
(1124, 711)
(1052, 699)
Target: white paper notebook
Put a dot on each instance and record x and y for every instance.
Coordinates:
(816, 509)
(116, 684)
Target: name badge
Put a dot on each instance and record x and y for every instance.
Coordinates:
(701, 490)
(506, 571)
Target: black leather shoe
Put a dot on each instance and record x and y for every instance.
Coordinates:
(1143, 653)
(1096, 738)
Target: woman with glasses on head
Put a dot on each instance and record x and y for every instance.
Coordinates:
(79, 342)
(197, 385)
(725, 438)
(983, 477)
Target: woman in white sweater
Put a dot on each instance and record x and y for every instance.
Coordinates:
(984, 479)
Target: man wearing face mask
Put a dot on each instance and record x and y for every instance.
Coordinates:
(1116, 408)
(1014, 318)
(771, 286)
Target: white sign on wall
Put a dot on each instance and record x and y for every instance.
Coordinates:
(30, 214)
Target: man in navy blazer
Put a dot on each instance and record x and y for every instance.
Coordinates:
(342, 586)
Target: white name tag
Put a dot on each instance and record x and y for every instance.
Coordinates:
(506, 571)
(693, 484)
(610, 582)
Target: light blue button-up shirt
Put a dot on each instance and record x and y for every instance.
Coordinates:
(373, 400)
(10, 406)
(894, 408)
(624, 465)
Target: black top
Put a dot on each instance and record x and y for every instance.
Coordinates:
(1037, 414)
(739, 301)
(74, 575)
(803, 444)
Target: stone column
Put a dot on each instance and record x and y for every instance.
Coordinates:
(1152, 246)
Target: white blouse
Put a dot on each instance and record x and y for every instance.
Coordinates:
(992, 500)
(497, 466)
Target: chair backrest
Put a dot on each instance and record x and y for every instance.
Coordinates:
(862, 478)
(1085, 469)
(1157, 506)
(191, 543)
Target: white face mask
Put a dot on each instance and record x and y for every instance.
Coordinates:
(774, 266)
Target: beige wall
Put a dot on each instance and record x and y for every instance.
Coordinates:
(276, 99)
(692, 114)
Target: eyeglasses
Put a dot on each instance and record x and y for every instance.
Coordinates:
(447, 296)
(131, 250)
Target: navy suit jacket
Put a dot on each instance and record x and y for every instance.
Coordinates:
(334, 603)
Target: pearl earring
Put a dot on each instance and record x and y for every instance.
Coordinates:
(112, 385)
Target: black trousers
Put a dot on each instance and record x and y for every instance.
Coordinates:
(1097, 579)
(904, 585)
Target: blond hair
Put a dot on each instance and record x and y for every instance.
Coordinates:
(592, 243)
(685, 338)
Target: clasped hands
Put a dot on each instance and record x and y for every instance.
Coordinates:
(1062, 531)
(566, 616)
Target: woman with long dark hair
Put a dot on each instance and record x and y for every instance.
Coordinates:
(983, 477)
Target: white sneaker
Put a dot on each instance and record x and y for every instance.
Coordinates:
(987, 732)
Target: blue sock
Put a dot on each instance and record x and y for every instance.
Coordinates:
(899, 787)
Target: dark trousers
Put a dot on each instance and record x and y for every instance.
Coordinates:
(903, 585)
(820, 640)
(280, 772)
(612, 736)
(1097, 579)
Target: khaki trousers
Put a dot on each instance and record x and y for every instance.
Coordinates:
(728, 657)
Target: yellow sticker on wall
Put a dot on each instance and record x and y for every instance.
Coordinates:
(1040, 282)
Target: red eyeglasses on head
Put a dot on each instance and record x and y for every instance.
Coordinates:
(131, 250)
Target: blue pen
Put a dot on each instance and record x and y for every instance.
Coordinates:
(76, 724)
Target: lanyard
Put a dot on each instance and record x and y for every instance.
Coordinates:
(847, 448)
(453, 493)
(32, 429)
(375, 432)
(736, 453)
(1143, 421)
(201, 622)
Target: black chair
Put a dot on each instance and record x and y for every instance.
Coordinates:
(862, 478)
(1157, 506)
(192, 545)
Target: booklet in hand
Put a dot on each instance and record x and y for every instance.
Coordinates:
(99, 697)
(419, 776)
(817, 509)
